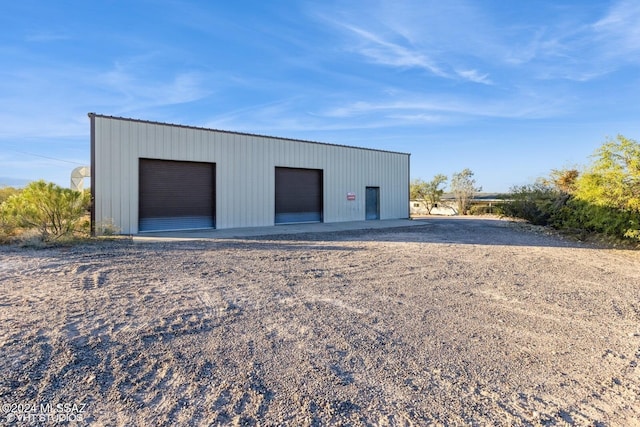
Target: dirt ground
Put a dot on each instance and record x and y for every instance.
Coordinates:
(454, 322)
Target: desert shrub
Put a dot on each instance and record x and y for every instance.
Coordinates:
(498, 209)
(542, 205)
(6, 192)
(633, 234)
(478, 210)
(485, 210)
(7, 230)
(603, 199)
(54, 212)
(536, 203)
(614, 222)
(107, 228)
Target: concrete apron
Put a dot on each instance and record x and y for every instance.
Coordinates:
(239, 233)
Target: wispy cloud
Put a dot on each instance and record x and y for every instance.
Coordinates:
(460, 41)
(401, 41)
(399, 110)
(578, 51)
(389, 53)
(137, 89)
(47, 37)
(291, 117)
(55, 103)
(451, 108)
(259, 113)
(619, 30)
(532, 44)
(475, 76)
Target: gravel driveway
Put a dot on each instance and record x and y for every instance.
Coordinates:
(454, 322)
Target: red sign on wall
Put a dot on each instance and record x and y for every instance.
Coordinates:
(351, 196)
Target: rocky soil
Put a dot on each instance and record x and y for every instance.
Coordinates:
(454, 322)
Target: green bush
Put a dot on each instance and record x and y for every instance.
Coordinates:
(7, 229)
(6, 192)
(495, 209)
(618, 223)
(543, 205)
(54, 212)
(537, 203)
(604, 198)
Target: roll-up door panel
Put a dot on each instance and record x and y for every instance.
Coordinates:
(176, 195)
(298, 195)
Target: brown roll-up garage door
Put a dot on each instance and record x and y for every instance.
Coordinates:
(298, 195)
(176, 195)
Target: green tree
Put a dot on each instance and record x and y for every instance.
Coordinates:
(463, 187)
(52, 210)
(430, 192)
(604, 198)
(613, 180)
(607, 195)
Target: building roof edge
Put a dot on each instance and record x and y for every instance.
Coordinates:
(240, 133)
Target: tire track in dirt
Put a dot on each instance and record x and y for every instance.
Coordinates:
(408, 328)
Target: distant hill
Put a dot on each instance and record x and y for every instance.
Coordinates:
(6, 181)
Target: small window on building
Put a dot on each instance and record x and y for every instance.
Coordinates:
(435, 205)
(416, 205)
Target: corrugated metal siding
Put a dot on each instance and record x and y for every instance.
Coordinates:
(245, 172)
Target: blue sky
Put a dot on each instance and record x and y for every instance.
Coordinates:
(507, 89)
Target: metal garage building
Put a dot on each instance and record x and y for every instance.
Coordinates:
(148, 176)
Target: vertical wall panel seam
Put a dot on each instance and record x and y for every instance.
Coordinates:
(245, 167)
